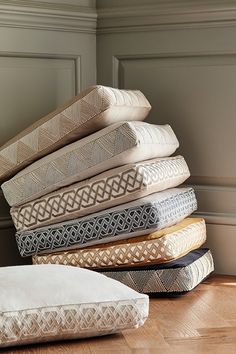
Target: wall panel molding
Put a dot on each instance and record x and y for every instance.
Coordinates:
(163, 15)
(210, 55)
(48, 16)
(189, 77)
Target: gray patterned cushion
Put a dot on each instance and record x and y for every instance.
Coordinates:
(54, 302)
(94, 109)
(116, 145)
(111, 188)
(170, 278)
(155, 212)
(158, 247)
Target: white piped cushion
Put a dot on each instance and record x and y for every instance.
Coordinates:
(41, 303)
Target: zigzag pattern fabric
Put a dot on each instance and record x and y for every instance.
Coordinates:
(94, 109)
(116, 145)
(114, 187)
(177, 276)
(159, 247)
(157, 211)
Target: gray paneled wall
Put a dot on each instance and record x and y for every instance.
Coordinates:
(47, 55)
(182, 55)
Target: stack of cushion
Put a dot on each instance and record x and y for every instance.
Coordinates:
(93, 186)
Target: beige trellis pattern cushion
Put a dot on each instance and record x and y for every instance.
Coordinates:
(113, 146)
(111, 188)
(158, 247)
(40, 303)
(94, 109)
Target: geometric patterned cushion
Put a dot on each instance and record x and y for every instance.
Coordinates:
(170, 278)
(111, 188)
(159, 247)
(140, 217)
(94, 109)
(116, 145)
(54, 302)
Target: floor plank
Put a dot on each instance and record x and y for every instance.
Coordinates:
(200, 322)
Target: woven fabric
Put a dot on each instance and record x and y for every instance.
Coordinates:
(116, 145)
(35, 307)
(114, 187)
(93, 109)
(174, 277)
(161, 246)
(140, 217)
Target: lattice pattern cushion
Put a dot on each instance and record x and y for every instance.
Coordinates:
(116, 145)
(159, 247)
(93, 109)
(175, 277)
(140, 217)
(114, 187)
(55, 302)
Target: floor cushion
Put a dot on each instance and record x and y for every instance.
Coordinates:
(175, 277)
(40, 303)
(116, 145)
(111, 188)
(94, 109)
(158, 247)
(140, 217)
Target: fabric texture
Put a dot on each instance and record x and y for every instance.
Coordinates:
(178, 276)
(140, 217)
(94, 109)
(159, 247)
(116, 145)
(35, 307)
(111, 188)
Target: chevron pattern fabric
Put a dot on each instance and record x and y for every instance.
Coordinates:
(177, 276)
(35, 307)
(93, 109)
(114, 187)
(155, 212)
(159, 247)
(116, 145)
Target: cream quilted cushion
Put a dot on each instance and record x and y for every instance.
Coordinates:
(111, 188)
(54, 302)
(94, 109)
(116, 145)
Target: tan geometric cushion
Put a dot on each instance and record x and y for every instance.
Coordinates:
(111, 188)
(94, 109)
(116, 145)
(158, 247)
(54, 302)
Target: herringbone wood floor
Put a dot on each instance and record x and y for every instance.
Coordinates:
(201, 322)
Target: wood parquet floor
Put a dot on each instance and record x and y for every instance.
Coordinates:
(200, 322)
